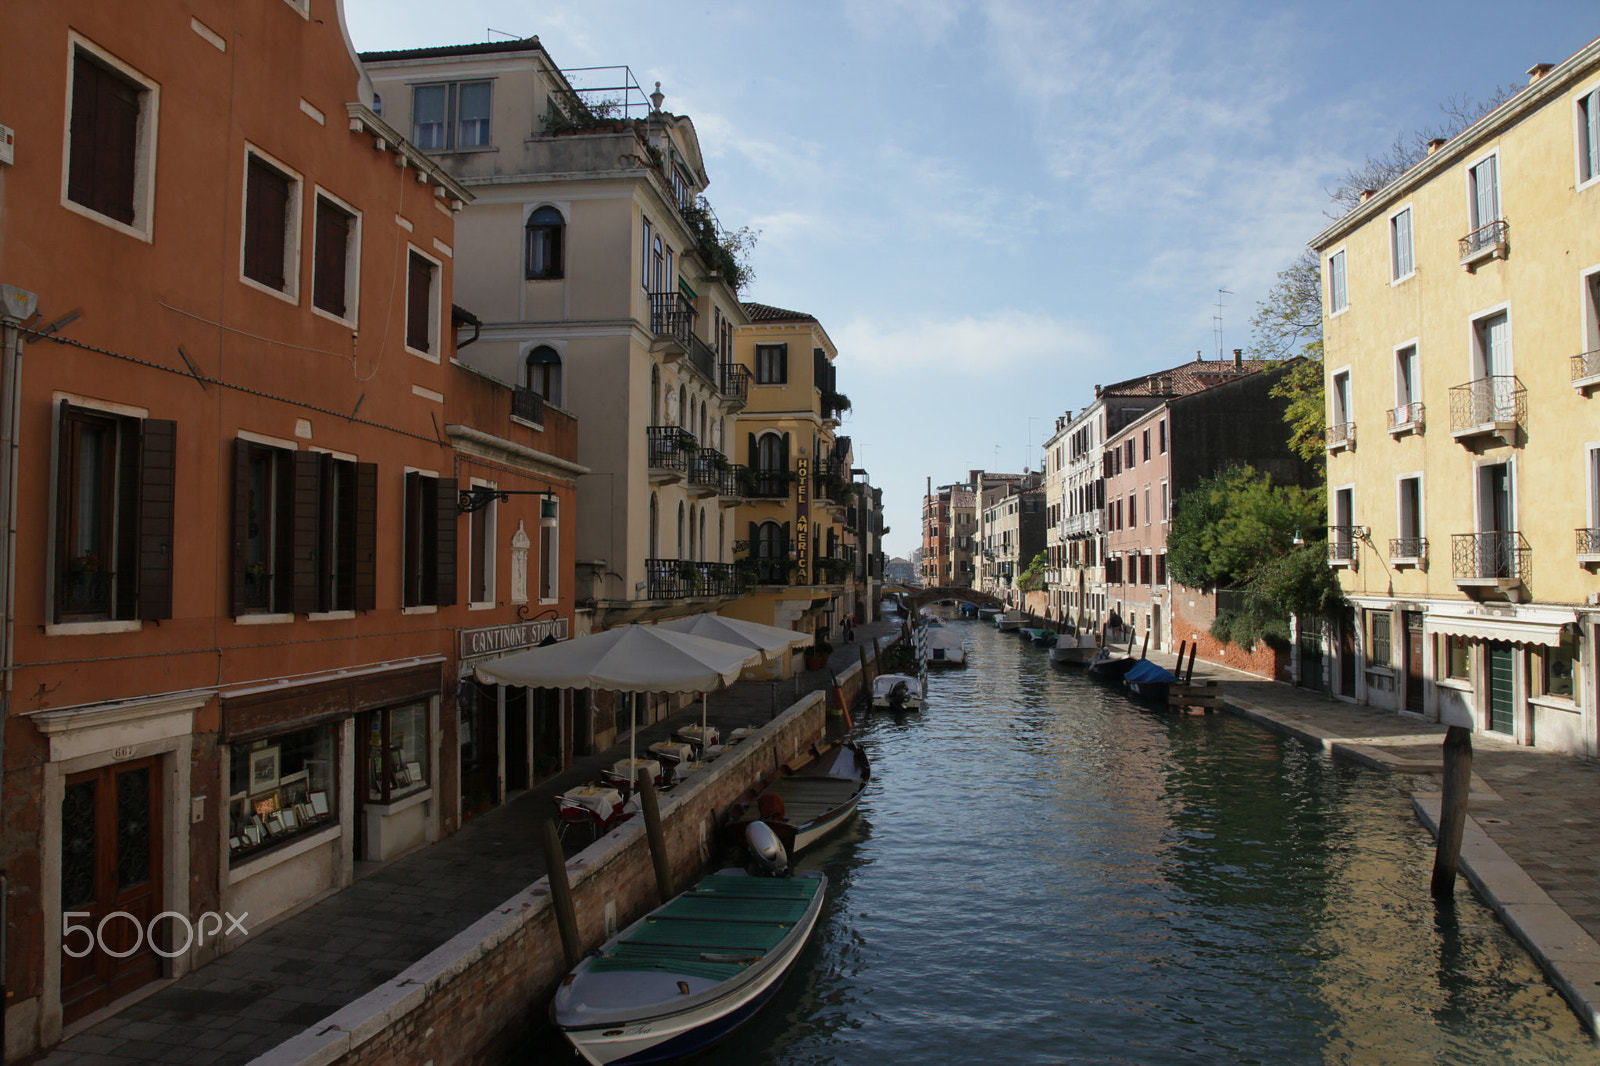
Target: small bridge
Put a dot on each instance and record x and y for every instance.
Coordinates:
(919, 598)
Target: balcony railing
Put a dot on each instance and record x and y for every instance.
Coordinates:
(1343, 546)
(672, 317)
(735, 383)
(676, 579)
(1408, 551)
(733, 482)
(670, 447)
(85, 593)
(1485, 242)
(706, 468)
(1497, 557)
(1341, 435)
(703, 359)
(1407, 418)
(1493, 405)
(527, 405)
(768, 484)
(1586, 369)
(1588, 546)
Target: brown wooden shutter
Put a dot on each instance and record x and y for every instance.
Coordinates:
(445, 517)
(305, 530)
(241, 520)
(783, 364)
(330, 261)
(103, 140)
(412, 573)
(755, 454)
(157, 496)
(783, 454)
(365, 527)
(266, 212)
(63, 494)
(419, 282)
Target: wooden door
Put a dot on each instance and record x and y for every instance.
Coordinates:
(1414, 647)
(1500, 689)
(111, 856)
(1347, 658)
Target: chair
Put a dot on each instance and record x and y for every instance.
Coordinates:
(571, 815)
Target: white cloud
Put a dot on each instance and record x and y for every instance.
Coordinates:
(971, 344)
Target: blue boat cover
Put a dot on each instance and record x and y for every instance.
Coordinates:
(1145, 672)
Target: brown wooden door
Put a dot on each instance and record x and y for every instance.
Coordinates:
(1347, 658)
(1414, 646)
(111, 859)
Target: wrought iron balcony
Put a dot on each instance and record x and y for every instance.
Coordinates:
(735, 383)
(676, 579)
(1588, 547)
(1489, 406)
(669, 449)
(732, 483)
(1408, 551)
(1407, 418)
(527, 405)
(1586, 369)
(672, 321)
(706, 468)
(703, 359)
(1344, 543)
(768, 484)
(1493, 559)
(1485, 242)
(1341, 435)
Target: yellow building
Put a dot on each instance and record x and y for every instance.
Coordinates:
(796, 477)
(1462, 328)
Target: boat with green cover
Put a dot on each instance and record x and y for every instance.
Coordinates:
(688, 973)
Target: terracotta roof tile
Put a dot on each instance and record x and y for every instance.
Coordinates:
(1185, 379)
(526, 44)
(766, 313)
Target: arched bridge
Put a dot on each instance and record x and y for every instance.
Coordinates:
(919, 598)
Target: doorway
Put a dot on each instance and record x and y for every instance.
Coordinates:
(517, 739)
(1415, 687)
(479, 729)
(1501, 688)
(111, 858)
(1347, 658)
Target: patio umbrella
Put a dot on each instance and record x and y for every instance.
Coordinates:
(630, 658)
(770, 641)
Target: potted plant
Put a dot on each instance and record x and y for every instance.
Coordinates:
(817, 654)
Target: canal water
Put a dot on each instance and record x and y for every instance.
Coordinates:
(1044, 871)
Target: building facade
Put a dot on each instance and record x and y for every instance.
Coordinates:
(1462, 321)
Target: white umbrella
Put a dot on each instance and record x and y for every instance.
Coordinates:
(770, 641)
(630, 658)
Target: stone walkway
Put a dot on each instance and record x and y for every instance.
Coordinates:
(304, 967)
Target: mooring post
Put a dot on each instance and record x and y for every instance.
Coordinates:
(652, 831)
(1192, 649)
(555, 862)
(1452, 810)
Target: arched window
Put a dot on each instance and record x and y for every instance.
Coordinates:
(545, 230)
(680, 530)
(703, 428)
(703, 551)
(655, 527)
(694, 543)
(722, 535)
(544, 373)
(685, 417)
(655, 396)
(770, 549)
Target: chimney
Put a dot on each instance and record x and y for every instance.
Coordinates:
(1097, 392)
(1537, 71)
(1366, 194)
(1435, 144)
(1238, 358)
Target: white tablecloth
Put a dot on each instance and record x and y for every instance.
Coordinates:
(602, 801)
(669, 750)
(628, 769)
(684, 771)
(691, 734)
(741, 733)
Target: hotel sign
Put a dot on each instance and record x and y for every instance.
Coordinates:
(491, 640)
(802, 520)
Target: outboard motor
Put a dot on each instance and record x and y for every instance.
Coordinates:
(766, 849)
(898, 695)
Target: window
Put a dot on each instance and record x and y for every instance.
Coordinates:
(450, 116)
(111, 139)
(1492, 351)
(1483, 193)
(1146, 452)
(1559, 667)
(1147, 506)
(396, 749)
(271, 224)
(430, 541)
(279, 788)
(480, 540)
(544, 373)
(772, 364)
(644, 257)
(1410, 524)
(1591, 323)
(1339, 399)
(545, 229)
(1166, 503)
(1133, 510)
(334, 285)
(1589, 136)
(1457, 658)
(421, 297)
(1338, 294)
(113, 516)
(1379, 652)
(1407, 383)
(549, 549)
(1400, 248)
(1161, 569)
(305, 532)
(1161, 436)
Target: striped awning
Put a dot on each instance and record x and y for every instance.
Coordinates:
(1541, 631)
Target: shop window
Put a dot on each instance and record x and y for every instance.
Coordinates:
(397, 747)
(1558, 667)
(113, 516)
(1457, 658)
(1379, 648)
(280, 788)
(430, 541)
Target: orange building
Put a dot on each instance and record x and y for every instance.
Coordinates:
(244, 578)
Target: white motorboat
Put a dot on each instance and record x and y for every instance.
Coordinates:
(688, 973)
(1008, 621)
(899, 692)
(945, 647)
(1075, 649)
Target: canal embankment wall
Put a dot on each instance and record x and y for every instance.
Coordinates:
(481, 993)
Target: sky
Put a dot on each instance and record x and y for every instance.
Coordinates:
(994, 205)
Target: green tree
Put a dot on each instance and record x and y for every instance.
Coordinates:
(1032, 578)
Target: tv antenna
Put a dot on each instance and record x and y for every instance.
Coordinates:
(503, 33)
(1216, 321)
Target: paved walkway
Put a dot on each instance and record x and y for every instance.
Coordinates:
(288, 977)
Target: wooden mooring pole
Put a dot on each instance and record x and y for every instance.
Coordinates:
(652, 831)
(1452, 811)
(555, 862)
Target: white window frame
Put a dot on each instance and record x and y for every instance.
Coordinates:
(1510, 463)
(1477, 355)
(487, 519)
(1468, 177)
(1589, 323)
(352, 262)
(452, 117)
(1395, 276)
(293, 225)
(434, 355)
(1334, 493)
(144, 153)
(1591, 480)
(1342, 272)
(1399, 506)
(1586, 136)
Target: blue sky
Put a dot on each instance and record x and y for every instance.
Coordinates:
(993, 205)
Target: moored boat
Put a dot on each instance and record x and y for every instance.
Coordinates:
(1008, 621)
(986, 614)
(804, 804)
(1074, 649)
(945, 647)
(1109, 665)
(691, 971)
(899, 692)
(1145, 678)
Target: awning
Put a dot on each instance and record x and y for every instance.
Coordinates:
(1546, 632)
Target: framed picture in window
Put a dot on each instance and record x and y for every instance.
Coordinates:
(274, 823)
(235, 843)
(289, 819)
(414, 772)
(319, 804)
(264, 769)
(266, 805)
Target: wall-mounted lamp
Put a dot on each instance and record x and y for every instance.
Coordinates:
(480, 496)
